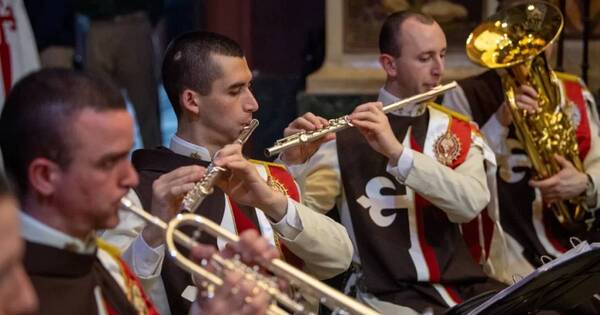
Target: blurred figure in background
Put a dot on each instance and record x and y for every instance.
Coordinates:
(119, 48)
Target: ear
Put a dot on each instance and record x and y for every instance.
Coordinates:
(388, 63)
(190, 101)
(44, 176)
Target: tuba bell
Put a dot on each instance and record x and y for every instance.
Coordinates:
(513, 41)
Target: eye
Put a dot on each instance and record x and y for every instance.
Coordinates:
(424, 58)
(235, 92)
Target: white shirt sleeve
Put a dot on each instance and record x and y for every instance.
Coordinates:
(403, 166)
(290, 225)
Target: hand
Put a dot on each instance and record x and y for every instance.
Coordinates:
(301, 153)
(526, 98)
(566, 184)
(231, 297)
(167, 193)
(375, 127)
(244, 184)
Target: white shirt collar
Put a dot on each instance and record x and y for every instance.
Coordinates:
(186, 148)
(407, 110)
(37, 232)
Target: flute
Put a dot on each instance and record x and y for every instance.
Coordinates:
(205, 186)
(341, 123)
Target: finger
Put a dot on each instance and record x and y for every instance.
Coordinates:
(179, 190)
(202, 251)
(529, 91)
(366, 116)
(306, 122)
(527, 103)
(545, 183)
(182, 173)
(317, 121)
(228, 150)
(564, 163)
(258, 304)
(255, 248)
(229, 291)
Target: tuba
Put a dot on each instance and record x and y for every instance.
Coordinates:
(513, 41)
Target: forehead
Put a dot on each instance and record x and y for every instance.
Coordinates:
(417, 37)
(233, 69)
(102, 131)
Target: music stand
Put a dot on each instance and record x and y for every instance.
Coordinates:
(559, 285)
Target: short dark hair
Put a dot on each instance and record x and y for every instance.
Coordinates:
(390, 35)
(36, 119)
(188, 63)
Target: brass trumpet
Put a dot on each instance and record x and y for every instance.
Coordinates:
(204, 187)
(285, 304)
(341, 123)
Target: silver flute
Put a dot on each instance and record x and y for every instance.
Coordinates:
(341, 123)
(194, 197)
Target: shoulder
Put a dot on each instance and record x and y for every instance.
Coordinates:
(568, 77)
(449, 112)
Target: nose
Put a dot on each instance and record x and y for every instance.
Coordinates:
(438, 67)
(250, 103)
(130, 178)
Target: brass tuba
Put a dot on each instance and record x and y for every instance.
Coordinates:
(513, 41)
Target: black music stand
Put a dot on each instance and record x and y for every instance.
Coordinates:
(559, 285)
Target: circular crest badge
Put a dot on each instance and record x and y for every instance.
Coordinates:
(447, 148)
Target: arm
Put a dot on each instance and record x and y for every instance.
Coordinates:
(461, 192)
(591, 163)
(322, 243)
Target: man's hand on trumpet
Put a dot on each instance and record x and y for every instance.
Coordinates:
(238, 295)
(245, 186)
(301, 153)
(374, 125)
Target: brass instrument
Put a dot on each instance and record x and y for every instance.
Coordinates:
(204, 187)
(513, 42)
(341, 123)
(296, 278)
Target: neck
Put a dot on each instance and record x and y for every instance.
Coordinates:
(44, 212)
(395, 89)
(195, 133)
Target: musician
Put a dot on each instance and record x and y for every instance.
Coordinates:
(532, 229)
(16, 293)
(208, 80)
(70, 182)
(404, 183)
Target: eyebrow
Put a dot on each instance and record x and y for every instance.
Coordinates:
(113, 156)
(236, 85)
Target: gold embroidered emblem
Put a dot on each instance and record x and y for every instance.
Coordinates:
(447, 148)
(276, 185)
(195, 155)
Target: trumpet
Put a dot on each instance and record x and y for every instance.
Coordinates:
(192, 200)
(341, 123)
(285, 304)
